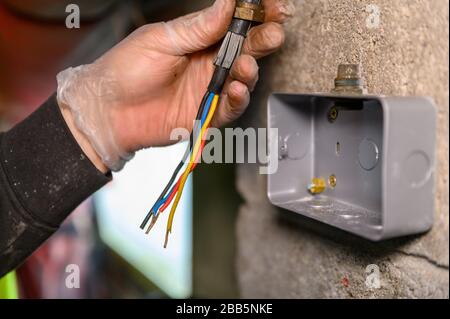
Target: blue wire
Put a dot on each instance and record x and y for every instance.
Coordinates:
(207, 107)
(202, 121)
(162, 201)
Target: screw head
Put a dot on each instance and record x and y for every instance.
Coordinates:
(333, 114)
(332, 181)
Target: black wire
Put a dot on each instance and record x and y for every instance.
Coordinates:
(183, 160)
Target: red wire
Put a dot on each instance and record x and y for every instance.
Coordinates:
(175, 189)
(172, 195)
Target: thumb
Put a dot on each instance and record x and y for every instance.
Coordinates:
(199, 30)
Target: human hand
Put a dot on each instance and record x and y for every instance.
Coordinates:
(153, 81)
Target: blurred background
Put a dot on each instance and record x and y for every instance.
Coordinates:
(102, 236)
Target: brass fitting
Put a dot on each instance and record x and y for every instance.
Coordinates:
(317, 186)
(349, 80)
(249, 11)
(332, 181)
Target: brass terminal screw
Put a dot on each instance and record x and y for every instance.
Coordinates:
(317, 186)
(332, 181)
(333, 114)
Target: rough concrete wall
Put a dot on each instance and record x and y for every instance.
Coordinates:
(406, 55)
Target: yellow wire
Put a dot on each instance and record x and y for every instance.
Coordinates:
(191, 162)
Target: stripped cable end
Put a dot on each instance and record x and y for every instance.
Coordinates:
(152, 223)
(146, 219)
(166, 241)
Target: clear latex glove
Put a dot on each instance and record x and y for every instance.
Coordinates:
(153, 81)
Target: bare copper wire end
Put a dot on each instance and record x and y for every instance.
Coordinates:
(166, 241)
(152, 223)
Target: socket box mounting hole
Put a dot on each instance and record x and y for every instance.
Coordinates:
(338, 148)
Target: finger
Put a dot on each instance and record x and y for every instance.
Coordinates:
(278, 10)
(245, 69)
(233, 103)
(200, 30)
(264, 39)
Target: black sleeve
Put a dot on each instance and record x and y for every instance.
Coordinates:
(44, 175)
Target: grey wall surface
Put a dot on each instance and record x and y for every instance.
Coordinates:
(284, 256)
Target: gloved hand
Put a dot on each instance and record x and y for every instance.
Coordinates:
(153, 81)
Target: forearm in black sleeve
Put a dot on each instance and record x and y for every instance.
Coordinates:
(44, 175)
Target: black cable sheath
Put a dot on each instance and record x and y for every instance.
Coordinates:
(218, 80)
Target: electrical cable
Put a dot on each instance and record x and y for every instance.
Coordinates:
(246, 13)
(180, 165)
(162, 201)
(175, 187)
(162, 205)
(188, 169)
(203, 118)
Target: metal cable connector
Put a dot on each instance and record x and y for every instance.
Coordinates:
(249, 11)
(229, 50)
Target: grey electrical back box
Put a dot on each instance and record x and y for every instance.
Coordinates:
(362, 163)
